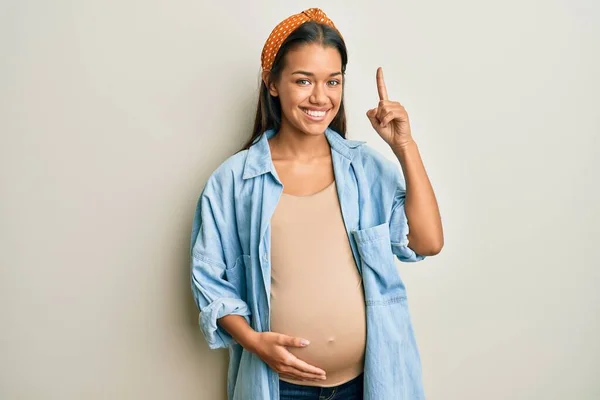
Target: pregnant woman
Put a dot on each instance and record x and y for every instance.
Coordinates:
(295, 237)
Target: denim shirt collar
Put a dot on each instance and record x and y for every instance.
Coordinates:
(259, 159)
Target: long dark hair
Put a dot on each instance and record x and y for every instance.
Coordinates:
(268, 110)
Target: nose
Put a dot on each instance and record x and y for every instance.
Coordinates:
(318, 95)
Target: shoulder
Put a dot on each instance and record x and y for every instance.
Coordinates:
(226, 175)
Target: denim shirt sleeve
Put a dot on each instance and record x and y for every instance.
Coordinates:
(399, 224)
(215, 297)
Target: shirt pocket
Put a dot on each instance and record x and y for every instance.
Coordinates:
(381, 279)
(236, 275)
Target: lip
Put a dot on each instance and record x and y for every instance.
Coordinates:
(315, 109)
(312, 118)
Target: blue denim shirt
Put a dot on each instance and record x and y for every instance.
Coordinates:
(231, 274)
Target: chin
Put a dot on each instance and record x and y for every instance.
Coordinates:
(313, 128)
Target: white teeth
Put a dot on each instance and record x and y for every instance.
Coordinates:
(314, 113)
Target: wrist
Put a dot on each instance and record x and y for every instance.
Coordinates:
(402, 147)
(250, 341)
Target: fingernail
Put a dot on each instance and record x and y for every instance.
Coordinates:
(304, 342)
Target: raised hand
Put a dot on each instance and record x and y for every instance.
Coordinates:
(390, 118)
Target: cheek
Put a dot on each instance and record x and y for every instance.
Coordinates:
(336, 99)
(291, 98)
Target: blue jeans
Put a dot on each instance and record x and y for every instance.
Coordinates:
(351, 390)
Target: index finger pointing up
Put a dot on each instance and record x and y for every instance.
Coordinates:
(381, 85)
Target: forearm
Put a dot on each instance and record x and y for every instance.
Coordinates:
(240, 331)
(425, 226)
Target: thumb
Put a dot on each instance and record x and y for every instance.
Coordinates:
(371, 114)
(293, 341)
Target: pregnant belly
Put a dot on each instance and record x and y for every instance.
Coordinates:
(335, 327)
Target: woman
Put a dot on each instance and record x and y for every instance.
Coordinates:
(295, 236)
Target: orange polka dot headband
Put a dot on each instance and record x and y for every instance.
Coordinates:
(285, 28)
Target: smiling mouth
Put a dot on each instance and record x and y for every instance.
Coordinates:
(314, 114)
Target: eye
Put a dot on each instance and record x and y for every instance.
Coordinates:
(334, 83)
(303, 82)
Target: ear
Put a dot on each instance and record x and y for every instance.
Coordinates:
(266, 77)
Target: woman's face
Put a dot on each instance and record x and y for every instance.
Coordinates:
(310, 88)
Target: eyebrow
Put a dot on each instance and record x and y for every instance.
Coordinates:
(311, 74)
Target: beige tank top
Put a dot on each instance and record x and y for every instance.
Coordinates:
(316, 288)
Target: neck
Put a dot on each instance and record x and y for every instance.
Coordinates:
(290, 142)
